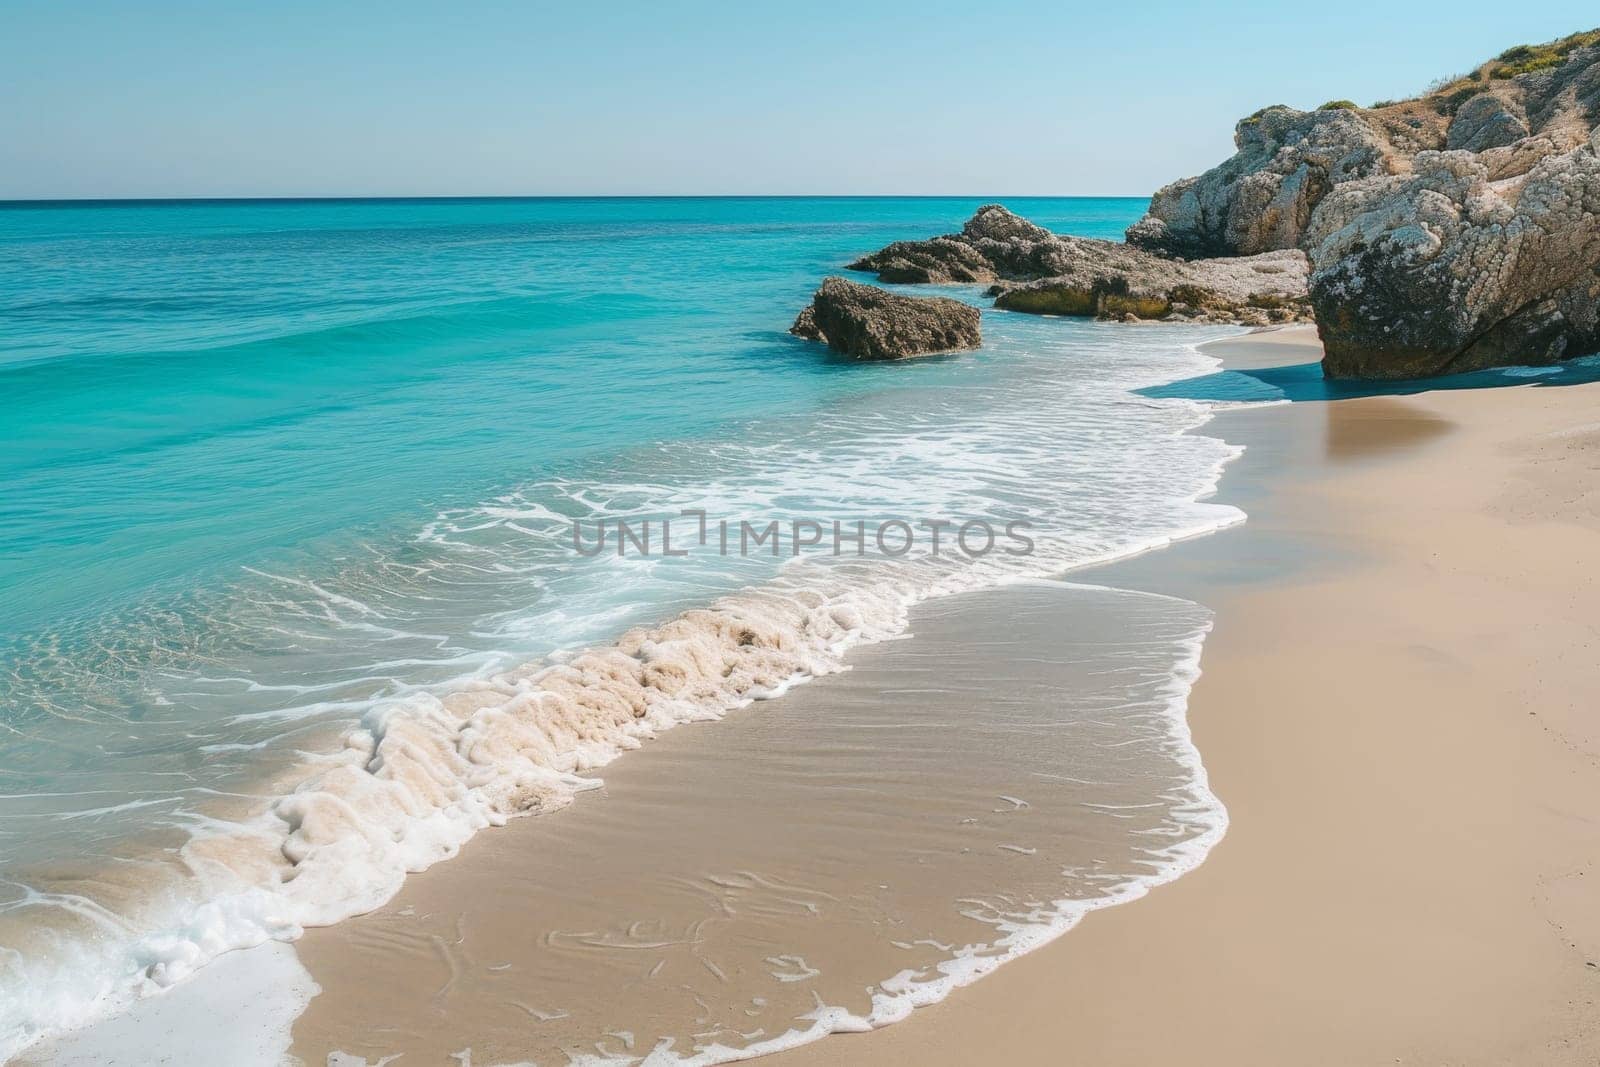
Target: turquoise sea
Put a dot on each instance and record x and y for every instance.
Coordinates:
(277, 474)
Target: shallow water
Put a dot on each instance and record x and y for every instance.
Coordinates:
(824, 862)
(285, 506)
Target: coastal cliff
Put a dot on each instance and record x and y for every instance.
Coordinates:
(1451, 232)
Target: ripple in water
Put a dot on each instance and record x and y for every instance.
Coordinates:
(279, 752)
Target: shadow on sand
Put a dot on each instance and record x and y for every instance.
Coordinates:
(1301, 382)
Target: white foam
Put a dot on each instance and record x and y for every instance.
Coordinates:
(897, 997)
(240, 1017)
(421, 773)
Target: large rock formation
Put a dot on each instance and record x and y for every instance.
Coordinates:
(1453, 232)
(871, 323)
(1046, 273)
(1448, 271)
(1263, 197)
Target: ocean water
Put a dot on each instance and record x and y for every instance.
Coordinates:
(289, 599)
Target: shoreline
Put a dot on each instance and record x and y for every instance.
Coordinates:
(803, 843)
(409, 747)
(1393, 707)
(1324, 484)
(461, 933)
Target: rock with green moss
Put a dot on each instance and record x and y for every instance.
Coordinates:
(1120, 283)
(1043, 273)
(1287, 161)
(1532, 58)
(1455, 231)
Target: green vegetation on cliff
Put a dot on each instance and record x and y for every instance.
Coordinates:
(1527, 58)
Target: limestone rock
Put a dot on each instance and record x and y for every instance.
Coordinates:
(939, 261)
(1485, 121)
(1452, 232)
(1448, 233)
(1262, 199)
(1111, 281)
(1449, 271)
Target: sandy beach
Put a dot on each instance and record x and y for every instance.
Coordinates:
(1393, 707)
(645, 556)
(1397, 708)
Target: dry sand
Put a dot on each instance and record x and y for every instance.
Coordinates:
(1399, 709)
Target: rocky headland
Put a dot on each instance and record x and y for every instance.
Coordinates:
(1451, 232)
(866, 322)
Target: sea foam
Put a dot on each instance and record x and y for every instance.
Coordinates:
(1054, 434)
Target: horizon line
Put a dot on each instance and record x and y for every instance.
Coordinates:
(45, 201)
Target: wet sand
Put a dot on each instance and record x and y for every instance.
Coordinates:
(1398, 707)
(919, 815)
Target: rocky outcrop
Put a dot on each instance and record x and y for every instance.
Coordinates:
(871, 323)
(1262, 199)
(994, 244)
(1119, 283)
(1485, 121)
(1449, 271)
(1453, 232)
(1045, 273)
(941, 261)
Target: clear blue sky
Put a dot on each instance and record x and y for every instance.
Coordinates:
(232, 98)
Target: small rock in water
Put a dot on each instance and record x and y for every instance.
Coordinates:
(874, 324)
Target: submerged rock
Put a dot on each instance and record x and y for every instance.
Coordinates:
(871, 323)
(1045, 273)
